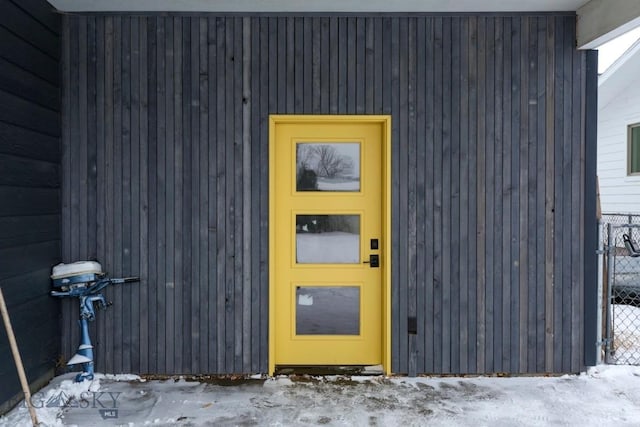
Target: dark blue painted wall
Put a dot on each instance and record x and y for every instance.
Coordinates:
(165, 177)
(29, 186)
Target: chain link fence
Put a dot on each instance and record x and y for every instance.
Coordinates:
(621, 286)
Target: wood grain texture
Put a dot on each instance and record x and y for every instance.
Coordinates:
(30, 186)
(488, 165)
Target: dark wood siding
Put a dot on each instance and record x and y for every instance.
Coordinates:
(165, 176)
(29, 187)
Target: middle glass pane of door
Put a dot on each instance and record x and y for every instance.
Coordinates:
(327, 239)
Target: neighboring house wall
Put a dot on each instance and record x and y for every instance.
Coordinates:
(29, 187)
(619, 193)
(166, 177)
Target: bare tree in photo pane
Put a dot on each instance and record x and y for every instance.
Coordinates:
(331, 163)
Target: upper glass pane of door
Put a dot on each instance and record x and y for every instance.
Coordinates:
(328, 166)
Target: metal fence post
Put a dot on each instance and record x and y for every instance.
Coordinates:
(609, 338)
(599, 337)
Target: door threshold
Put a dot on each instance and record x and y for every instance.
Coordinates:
(321, 370)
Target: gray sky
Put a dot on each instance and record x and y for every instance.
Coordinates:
(609, 52)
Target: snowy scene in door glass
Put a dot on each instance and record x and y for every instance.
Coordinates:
(328, 310)
(328, 167)
(327, 239)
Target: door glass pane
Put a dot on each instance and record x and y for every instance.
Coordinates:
(328, 166)
(328, 310)
(327, 239)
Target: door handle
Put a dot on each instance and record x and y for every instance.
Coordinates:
(374, 261)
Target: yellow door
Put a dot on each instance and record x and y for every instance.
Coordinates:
(329, 247)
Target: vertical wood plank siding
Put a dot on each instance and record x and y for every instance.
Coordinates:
(30, 205)
(166, 177)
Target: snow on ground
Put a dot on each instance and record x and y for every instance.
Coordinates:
(344, 184)
(331, 247)
(604, 396)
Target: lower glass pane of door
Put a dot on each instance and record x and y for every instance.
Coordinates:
(324, 310)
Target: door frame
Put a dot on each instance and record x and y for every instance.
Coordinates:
(385, 122)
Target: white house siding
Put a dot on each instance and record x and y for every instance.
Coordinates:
(619, 193)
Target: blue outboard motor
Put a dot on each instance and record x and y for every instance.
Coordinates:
(84, 280)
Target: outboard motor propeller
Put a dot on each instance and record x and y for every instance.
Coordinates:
(84, 280)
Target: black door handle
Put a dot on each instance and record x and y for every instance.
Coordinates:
(374, 261)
